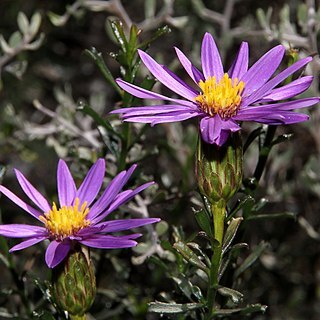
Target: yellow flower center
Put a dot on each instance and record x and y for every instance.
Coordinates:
(66, 221)
(223, 97)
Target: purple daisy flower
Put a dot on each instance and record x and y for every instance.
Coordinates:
(79, 218)
(222, 99)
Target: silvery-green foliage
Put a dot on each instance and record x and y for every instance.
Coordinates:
(22, 40)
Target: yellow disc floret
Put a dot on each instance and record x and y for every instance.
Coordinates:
(223, 97)
(67, 220)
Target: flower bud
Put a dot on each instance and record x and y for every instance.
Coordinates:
(74, 284)
(219, 169)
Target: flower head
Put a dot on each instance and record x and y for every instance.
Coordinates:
(222, 99)
(78, 218)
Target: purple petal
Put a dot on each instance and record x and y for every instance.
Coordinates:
(288, 91)
(122, 198)
(66, 186)
(108, 242)
(241, 62)
(21, 231)
(192, 71)
(262, 70)
(92, 182)
(27, 243)
(146, 94)
(269, 108)
(56, 252)
(296, 104)
(173, 75)
(214, 130)
(125, 224)
(32, 192)
(163, 118)
(265, 89)
(110, 192)
(156, 109)
(210, 58)
(272, 116)
(166, 79)
(174, 117)
(35, 213)
(283, 118)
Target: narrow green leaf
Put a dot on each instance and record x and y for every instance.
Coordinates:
(231, 233)
(240, 204)
(161, 31)
(172, 308)
(239, 246)
(97, 58)
(260, 204)
(85, 108)
(134, 31)
(281, 215)
(188, 289)
(195, 247)
(45, 288)
(189, 255)
(251, 259)
(241, 311)
(117, 28)
(196, 291)
(204, 222)
(184, 285)
(235, 295)
(281, 138)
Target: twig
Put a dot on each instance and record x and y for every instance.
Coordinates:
(163, 16)
(113, 6)
(75, 130)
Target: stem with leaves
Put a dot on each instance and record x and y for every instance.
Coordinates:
(218, 210)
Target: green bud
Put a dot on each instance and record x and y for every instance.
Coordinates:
(219, 169)
(74, 283)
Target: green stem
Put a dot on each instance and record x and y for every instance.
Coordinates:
(218, 210)
(126, 128)
(126, 136)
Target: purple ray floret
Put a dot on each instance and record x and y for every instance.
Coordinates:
(222, 98)
(74, 219)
